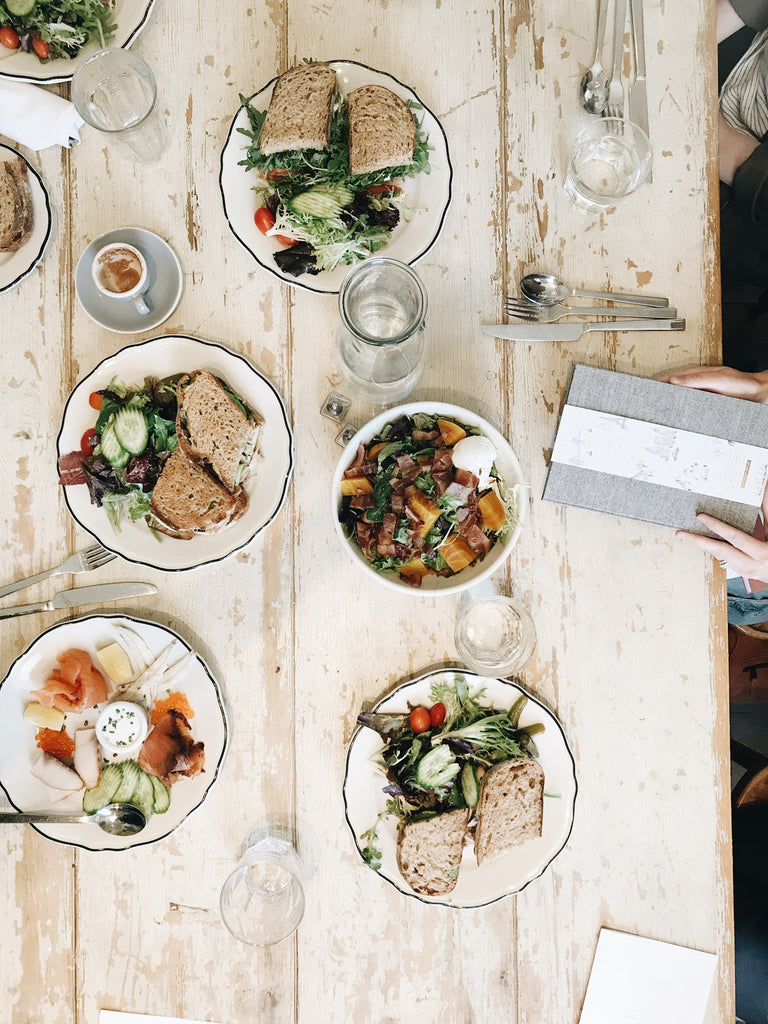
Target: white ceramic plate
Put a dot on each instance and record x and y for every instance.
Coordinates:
(428, 194)
(477, 886)
(17, 737)
(131, 17)
(14, 266)
(271, 469)
(508, 469)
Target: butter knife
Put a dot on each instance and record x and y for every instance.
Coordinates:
(638, 96)
(572, 332)
(82, 595)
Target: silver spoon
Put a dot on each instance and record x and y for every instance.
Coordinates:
(117, 819)
(594, 84)
(548, 290)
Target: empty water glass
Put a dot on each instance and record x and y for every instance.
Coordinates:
(383, 307)
(115, 92)
(262, 901)
(609, 160)
(494, 635)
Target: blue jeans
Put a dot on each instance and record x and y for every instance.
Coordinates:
(744, 608)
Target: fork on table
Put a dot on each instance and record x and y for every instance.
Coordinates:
(615, 105)
(524, 309)
(82, 561)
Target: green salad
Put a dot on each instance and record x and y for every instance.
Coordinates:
(55, 28)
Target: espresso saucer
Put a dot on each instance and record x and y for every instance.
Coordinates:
(165, 277)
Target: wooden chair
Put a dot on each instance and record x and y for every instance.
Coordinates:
(752, 787)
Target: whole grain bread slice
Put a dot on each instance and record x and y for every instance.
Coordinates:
(299, 111)
(511, 807)
(187, 500)
(16, 216)
(382, 132)
(429, 851)
(214, 429)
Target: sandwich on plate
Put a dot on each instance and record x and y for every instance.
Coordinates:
(331, 169)
(16, 215)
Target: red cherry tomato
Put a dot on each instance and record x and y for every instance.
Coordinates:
(88, 441)
(437, 714)
(95, 400)
(286, 240)
(264, 220)
(419, 719)
(387, 186)
(42, 49)
(9, 38)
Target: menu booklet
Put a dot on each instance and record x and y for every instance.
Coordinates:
(658, 452)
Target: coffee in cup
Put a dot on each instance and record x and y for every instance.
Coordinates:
(119, 271)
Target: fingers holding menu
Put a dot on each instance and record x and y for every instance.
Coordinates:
(723, 380)
(743, 552)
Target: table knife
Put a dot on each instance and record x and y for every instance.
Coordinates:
(82, 595)
(572, 332)
(638, 96)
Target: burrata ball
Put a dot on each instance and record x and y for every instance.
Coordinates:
(476, 454)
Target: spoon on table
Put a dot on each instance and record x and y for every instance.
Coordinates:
(547, 290)
(117, 819)
(594, 84)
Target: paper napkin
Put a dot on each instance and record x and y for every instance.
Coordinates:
(118, 1017)
(36, 118)
(643, 981)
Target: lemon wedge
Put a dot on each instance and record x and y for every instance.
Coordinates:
(43, 717)
(116, 663)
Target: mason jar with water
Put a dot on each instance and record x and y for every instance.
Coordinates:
(383, 308)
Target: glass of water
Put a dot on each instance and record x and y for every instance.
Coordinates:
(383, 308)
(115, 92)
(610, 159)
(494, 635)
(262, 901)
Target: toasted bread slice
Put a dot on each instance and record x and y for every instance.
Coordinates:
(429, 851)
(187, 500)
(16, 216)
(298, 116)
(213, 429)
(382, 132)
(511, 807)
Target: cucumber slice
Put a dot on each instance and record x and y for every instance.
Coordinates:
(324, 201)
(20, 7)
(162, 795)
(101, 795)
(131, 429)
(143, 795)
(469, 784)
(111, 448)
(125, 790)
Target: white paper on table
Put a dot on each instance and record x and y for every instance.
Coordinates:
(118, 1017)
(661, 455)
(635, 980)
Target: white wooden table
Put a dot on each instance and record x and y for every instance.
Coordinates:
(631, 624)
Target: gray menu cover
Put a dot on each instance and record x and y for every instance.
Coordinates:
(671, 406)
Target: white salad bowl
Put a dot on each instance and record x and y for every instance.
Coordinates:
(508, 469)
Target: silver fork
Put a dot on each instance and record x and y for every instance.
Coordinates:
(615, 105)
(523, 309)
(82, 561)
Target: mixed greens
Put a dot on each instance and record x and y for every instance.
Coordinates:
(55, 28)
(309, 200)
(434, 758)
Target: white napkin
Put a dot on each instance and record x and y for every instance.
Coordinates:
(118, 1017)
(35, 118)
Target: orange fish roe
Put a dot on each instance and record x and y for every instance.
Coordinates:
(173, 702)
(55, 742)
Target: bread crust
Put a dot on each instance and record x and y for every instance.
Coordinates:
(299, 112)
(382, 132)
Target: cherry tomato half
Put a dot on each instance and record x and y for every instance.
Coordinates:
(95, 400)
(419, 719)
(386, 186)
(264, 219)
(437, 714)
(42, 49)
(9, 38)
(88, 441)
(286, 240)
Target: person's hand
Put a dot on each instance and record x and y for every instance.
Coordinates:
(734, 148)
(723, 380)
(744, 553)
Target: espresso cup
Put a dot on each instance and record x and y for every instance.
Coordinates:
(119, 271)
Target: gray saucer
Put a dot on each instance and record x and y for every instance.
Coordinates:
(166, 282)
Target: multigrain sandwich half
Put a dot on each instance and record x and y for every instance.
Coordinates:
(187, 500)
(16, 215)
(429, 851)
(382, 132)
(299, 112)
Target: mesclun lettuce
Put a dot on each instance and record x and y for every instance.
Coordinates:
(58, 28)
(310, 198)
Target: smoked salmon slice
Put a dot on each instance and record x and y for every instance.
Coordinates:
(75, 685)
(169, 752)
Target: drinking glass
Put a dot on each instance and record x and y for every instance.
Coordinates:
(115, 92)
(494, 635)
(262, 901)
(610, 158)
(383, 307)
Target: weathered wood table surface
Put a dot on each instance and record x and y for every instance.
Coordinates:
(630, 622)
